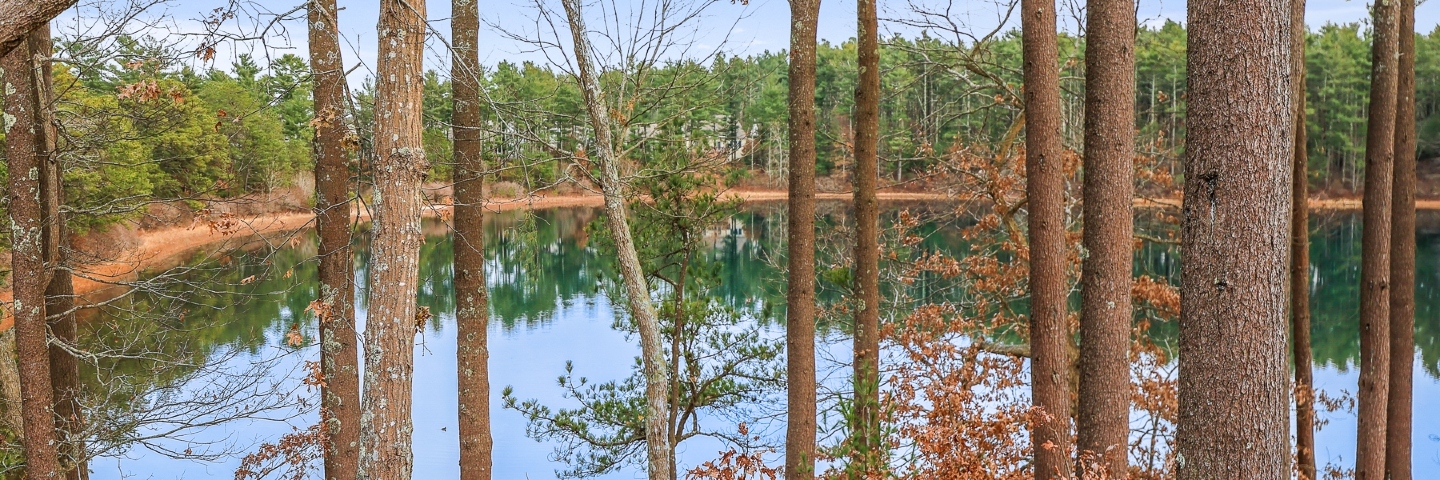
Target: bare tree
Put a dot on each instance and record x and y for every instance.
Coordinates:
(400, 165)
(1402, 260)
(800, 290)
(1234, 383)
(867, 440)
(1045, 191)
(1300, 256)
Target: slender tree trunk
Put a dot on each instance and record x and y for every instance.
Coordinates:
(385, 448)
(24, 144)
(339, 358)
(472, 314)
(1103, 423)
(1234, 382)
(1300, 256)
(865, 428)
(1045, 189)
(800, 293)
(1375, 247)
(1402, 259)
(19, 17)
(637, 292)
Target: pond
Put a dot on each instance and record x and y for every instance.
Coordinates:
(231, 322)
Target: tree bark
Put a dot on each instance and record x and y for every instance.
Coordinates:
(1045, 190)
(1300, 256)
(1375, 247)
(1103, 423)
(19, 17)
(472, 313)
(339, 360)
(866, 437)
(1402, 260)
(800, 293)
(24, 155)
(1234, 385)
(386, 428)
(637, 292)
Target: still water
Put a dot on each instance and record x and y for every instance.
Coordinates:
(238, 310)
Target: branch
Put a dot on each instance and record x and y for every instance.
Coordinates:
(19, 17)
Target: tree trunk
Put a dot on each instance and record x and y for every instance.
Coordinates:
(24, 155)
(1375, 247)
(1402, 259)
(637, 293)
(385, 449)
(1045, 189)
(1234, 382)
(866, 437)
(339, 360)
(1300, 256)
(1103, 423)
(19, 17)
(472, 312)
(800, 293)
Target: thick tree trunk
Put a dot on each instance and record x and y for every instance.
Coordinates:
(339, 360)
(24, 144)
(385, 448)
(865, 433)
(1234, 385)
(19, 17)
(472, 312)
(637, 292)
(1103, 423)
(1045, 189)
(1300, 257)
(800, 293)
(1375, 247)
(1402, 260)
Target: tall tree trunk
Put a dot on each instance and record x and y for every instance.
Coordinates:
(1103, 423)
(385, 449)
(865, 429)
(1234, 381)
(800, 293)
(637, 292)
(19, 17)
(1375, 247)
(1402, 259)
(339, 358)
(24, 144)
(1045, 189)
(472, 314)
(1300, 256)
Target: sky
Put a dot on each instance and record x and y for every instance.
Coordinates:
(726, 25)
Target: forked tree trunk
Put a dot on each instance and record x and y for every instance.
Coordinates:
(800, 292)
(1234, 381)
(657, 433)
(1103, 423)
(19, 17)
(1300, 257)
(23, 152)
(339, 358)
(1045, 190)
(471, 296)
(865, 430)
(1375, 247)
(385, 426)
(1402, 260)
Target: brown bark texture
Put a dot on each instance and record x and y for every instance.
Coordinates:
(637, 293)
(385, 426)
(1402, 260)
(339, 358)
(1045, 190)
(19, 17)
(800, 292)
(1234, 381)
(24, 144)
(1372, 397)
(1300, 257)
(472, 312)
(865, 435)
(1103, 423)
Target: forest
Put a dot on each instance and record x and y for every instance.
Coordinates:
(261, 246)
